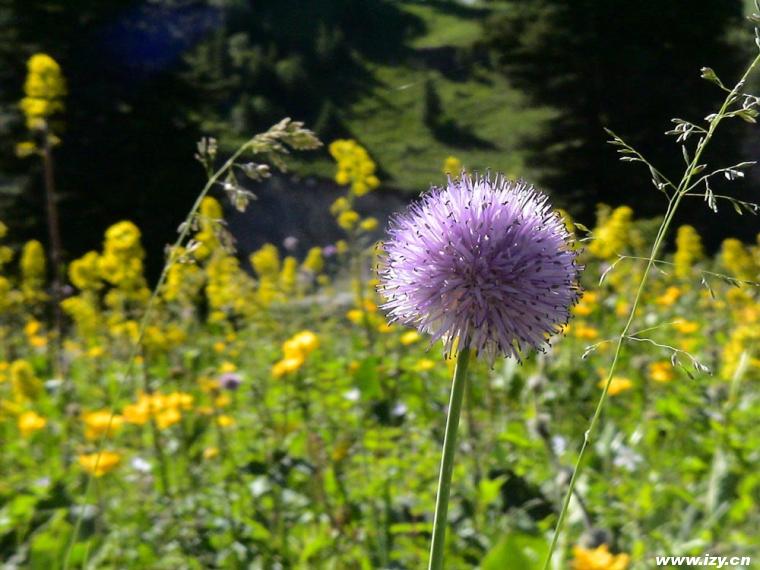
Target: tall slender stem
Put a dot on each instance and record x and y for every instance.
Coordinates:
(447, 459)
(681, 190)
(56, 247)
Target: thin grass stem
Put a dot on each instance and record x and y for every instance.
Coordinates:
(673, 204)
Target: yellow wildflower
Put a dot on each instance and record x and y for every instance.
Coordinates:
(266, 260)
(744, 338)
(586, 305)
(686, 327)
(617, 385)
(735, 257)
(138, 413)
(368, 224)
(101, 423)
(26, 386)
(225, 421)
(99, 464)
(222, 400)
(613, 234)
(410, 337)
(423, 365)
(584, 331)
(210, 453)
(661, 371)
(168, 418)
(356, 316)
(84, 272)
(33, 271)
(44, 90)
(30, 422)
(348, 219)
(339, 206)
(301, 344)
(122, 236)
(599, 558)
(314, 262)
(452, 166)
(179, 400)
(688, 250)
(669, 297)
(289, 275)
(355, 167)
(287, 366)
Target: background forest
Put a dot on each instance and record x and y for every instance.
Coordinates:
(520, 87)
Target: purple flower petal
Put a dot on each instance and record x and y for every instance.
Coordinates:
(485, 260)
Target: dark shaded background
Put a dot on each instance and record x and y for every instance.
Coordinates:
(147, 78)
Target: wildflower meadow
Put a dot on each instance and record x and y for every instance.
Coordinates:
(476, 380)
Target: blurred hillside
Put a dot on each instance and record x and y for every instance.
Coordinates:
(522, 87)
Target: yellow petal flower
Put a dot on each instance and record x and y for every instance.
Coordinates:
(99, 464)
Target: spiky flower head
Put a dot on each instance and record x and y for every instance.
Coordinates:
(484, 260)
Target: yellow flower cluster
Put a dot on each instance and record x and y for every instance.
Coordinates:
(582, 331)
(101, 423)
(266, 263)
(121, 264)
(314, 262)
(452, 166)
(101, 463)
(278, 279)
(207, 237)
(349, 219)
(24, 382)
(744, 338)
(84, 272)
(30, 422)
(599, 558)
(44, 90)
(618, 385)
(738, 260)
(164, 337)
(669, 297)
(120, 267)
(228, 288)
(614, 232)
(661, 371)
(6, 253)
(295, 350)
(35, 336)
(184, 279)
(355, 167)
(587, 304)
(165, 409)
(84, 313)
(33, 275)
(366, 314)
(688, 250)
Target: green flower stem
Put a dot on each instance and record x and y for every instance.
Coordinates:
(447, 459)
(679, 193)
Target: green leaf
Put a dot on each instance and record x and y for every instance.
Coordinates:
(488, 490)
(517, 551)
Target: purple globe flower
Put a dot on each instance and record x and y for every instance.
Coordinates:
(484, 260)
(230, 381)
